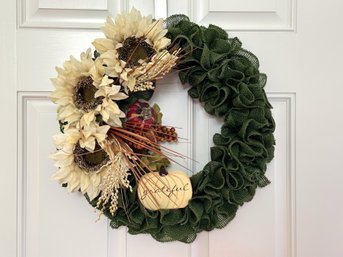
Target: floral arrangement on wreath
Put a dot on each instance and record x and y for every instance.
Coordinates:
(111, 137)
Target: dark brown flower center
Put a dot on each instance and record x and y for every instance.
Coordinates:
(134, 49)
(89, 161)
(84, 95)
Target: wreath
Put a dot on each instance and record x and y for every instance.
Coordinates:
(111, 137)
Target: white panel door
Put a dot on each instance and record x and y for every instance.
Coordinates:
(300, 49)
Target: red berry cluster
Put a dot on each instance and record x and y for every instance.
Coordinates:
(142, 119)
(165, 134)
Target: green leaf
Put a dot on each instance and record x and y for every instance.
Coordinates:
(156, 161)
(158, 112)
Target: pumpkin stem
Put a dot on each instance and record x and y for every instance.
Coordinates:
(163, 172)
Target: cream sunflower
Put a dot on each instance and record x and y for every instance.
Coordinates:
(133, 29)
(79, 92)
(81, 159)
(133, 43)
(88, 161)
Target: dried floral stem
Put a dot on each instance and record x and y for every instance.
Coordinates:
(149, 145)
(154, 125)
(136, 129)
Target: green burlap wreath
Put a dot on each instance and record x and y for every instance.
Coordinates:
(226, 80)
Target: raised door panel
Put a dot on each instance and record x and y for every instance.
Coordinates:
(74, 4)
(239, 15)
(66, 14)
(51, 221)
(48, 214)
(266, 225)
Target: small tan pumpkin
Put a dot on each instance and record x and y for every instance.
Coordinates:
(158, 192)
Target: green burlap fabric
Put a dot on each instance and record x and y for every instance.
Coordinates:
(226, 80)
